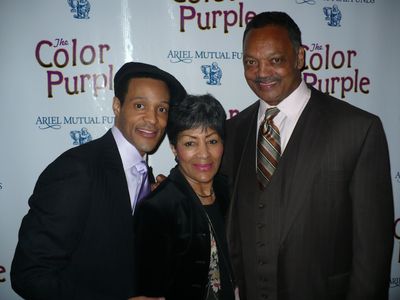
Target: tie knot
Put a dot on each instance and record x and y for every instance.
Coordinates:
(141, 167)
(271, 113)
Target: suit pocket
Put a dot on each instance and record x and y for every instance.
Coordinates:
(338, 284)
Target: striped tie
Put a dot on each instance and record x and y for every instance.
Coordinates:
(268, 147)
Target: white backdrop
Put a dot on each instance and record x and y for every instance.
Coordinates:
(57, 60)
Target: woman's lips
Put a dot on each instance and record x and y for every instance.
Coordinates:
(203, 167)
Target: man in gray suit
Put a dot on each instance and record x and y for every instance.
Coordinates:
(311, 215)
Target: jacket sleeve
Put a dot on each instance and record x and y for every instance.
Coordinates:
(373, 216)
(51, 230)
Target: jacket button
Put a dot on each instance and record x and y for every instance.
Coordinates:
(261, 205)
(264, 296)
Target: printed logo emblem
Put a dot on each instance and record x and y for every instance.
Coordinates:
(394, 282)
(311, 2)
(80, 136)
(81, 8)
(333, 15)
(213, 73)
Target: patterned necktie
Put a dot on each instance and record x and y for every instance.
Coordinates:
(145, 186)
(268, 147)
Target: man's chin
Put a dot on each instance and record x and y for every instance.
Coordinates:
(149, 147)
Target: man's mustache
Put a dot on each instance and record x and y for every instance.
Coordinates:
(268, 79)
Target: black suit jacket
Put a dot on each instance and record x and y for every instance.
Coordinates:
(76, 242)
(323, 229)
(172, 240)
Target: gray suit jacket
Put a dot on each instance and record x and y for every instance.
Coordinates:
(323, 228)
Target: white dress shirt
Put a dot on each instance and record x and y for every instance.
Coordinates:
(130, 159)
(290, 110)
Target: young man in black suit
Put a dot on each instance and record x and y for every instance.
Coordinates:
(76, 240)
(311, 215)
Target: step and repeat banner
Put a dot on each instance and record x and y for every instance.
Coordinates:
(58, 59)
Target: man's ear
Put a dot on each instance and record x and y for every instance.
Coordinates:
(173, 149)
(116, 106)
(301, 58)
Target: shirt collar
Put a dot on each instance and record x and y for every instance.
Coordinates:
(130, 156)
(291, 105)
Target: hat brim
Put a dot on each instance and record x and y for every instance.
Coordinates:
(136, 70)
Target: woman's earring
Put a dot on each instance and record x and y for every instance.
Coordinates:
(176, 159)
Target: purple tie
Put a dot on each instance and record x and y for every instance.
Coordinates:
(145, 186)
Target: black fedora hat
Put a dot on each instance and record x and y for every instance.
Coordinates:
(135, 69)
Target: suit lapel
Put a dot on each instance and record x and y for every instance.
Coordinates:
(247, 135)
(243, 138)
(115, 178)
(300, 160)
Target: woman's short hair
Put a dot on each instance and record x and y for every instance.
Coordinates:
(196, 111)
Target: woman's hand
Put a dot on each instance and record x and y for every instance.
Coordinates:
(160, 178)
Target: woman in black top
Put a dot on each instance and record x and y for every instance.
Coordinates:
(180, 245)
